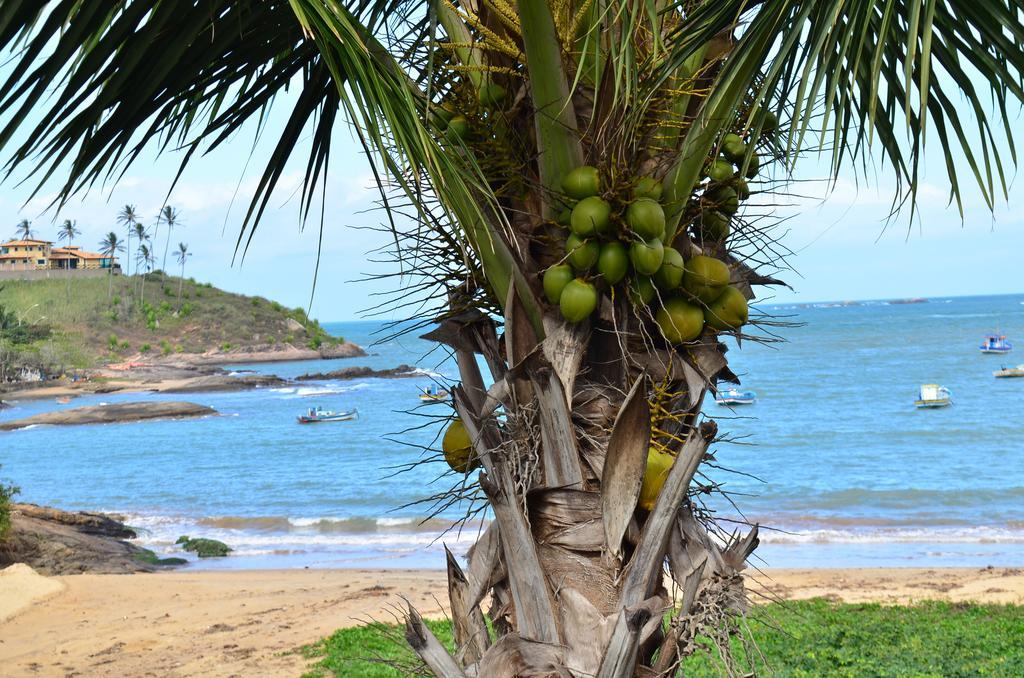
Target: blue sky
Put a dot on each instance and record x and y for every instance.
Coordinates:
(843, 246)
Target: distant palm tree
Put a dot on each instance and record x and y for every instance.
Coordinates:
(181, 254)
(68, 231)
(128, 217)
(25, 229)
(110, 246)
(144, 259)
(169, 216)
(142, 235)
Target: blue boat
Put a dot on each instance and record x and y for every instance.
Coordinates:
(317, 415)
(734, 396)
(995, 343)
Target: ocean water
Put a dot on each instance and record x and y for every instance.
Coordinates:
(833, 461)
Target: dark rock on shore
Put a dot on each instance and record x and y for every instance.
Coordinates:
(114, 413)
(54, 542)
(400, 372)
(218, 383)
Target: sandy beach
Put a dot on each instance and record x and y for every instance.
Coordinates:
(248, 622)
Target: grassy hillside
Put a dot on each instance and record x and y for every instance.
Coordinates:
(80, 324)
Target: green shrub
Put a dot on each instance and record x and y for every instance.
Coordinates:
(165, 307)
(226, 346)
(276, 306)
(113, 342)
(255, 301)
(7, 492)
(165, 347)
(124, 346)
(145, 348)
(168, 292)
(315, 341)
(116, 301)
(186, 310)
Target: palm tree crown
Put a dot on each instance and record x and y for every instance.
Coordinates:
(68, 231)
(24, 229)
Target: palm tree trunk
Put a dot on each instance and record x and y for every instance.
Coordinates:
(181, 282)
(573, 567)
(110, 282)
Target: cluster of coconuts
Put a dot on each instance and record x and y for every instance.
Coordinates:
(456, 126)
(622, 242)
(728, 186)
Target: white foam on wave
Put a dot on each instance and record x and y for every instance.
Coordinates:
(969, 535)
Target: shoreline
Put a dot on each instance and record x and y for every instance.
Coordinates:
(250, 622)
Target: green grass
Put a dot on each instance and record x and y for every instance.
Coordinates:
(89, 324)
(799, 639)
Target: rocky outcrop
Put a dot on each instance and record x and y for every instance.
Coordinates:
(54, 542)
(400, 372)
(216, 383)
(203, 547)
(113, 413)
(268, 353)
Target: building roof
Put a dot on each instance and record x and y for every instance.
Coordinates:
(75, 252)
(17, 255)
(28, 241)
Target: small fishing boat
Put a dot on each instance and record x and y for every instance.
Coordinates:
(995, 343)
(734, 396)
(932, 396)
(1009, 372)
(432, 394)
(316, 415)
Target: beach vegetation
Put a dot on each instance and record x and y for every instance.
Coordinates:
(7, 493)
(516, 137)
(151, 558)
(805, 639)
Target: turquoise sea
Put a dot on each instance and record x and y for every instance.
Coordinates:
(834, 460)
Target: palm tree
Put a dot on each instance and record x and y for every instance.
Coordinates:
(128, 217)
(110, 246)
(170, 217)
(68, 231)
(144, 261)
(142, 235)
(565, 164)
(24, 230)
(181, 254)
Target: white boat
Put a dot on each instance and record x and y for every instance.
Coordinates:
(734, 396)
(932, 396)
(432, 394)
(317, 415)
(1009, 372)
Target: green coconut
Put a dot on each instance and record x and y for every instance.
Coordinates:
(659, 463)
(670, 275)
(753, 166)
(555, 280)
(578, 301)
(641, 290)
(646, 256)
(705, 278)
(458, 128)
(724, 199)
(770, 124)
(741, 187)
(565, 217)
(712, 225)
(647, 187)
(491, 95)
(646, 217)
(582, 182)
(729, 311)
(582, 253)
(613, 262)
(721, 170)
(591, 216)
(458, 448)
(679, 320)
(733, 148)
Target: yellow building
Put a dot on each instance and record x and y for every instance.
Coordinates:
(25, 255)
(38, 255)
